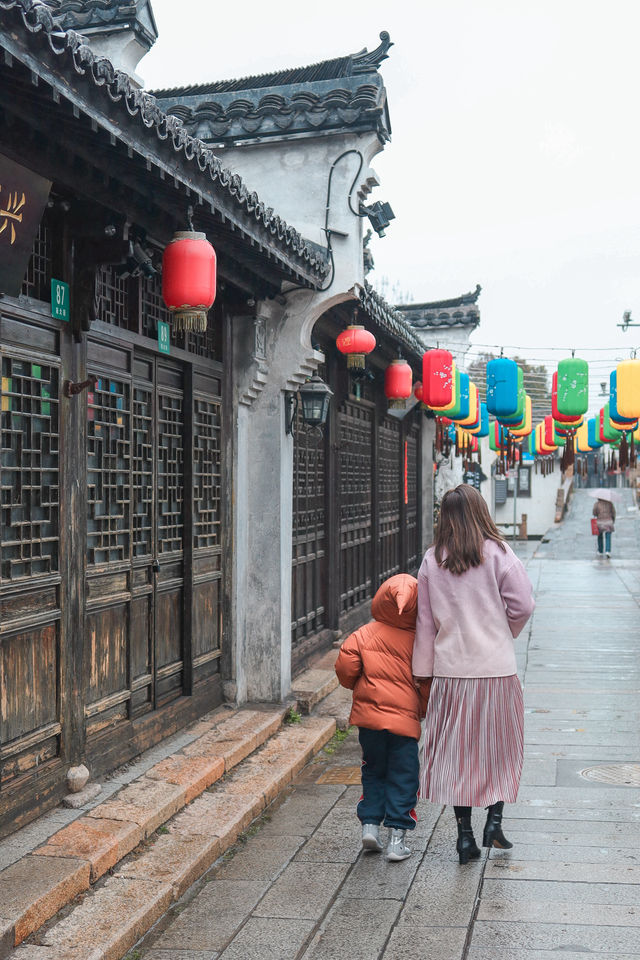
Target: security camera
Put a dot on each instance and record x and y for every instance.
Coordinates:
(380, 214)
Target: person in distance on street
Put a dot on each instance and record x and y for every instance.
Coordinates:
(474, 598)
(375, 662)
(605, 514)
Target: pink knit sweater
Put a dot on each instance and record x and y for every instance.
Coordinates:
(466, 622)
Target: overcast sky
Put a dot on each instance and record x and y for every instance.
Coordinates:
(514, 160)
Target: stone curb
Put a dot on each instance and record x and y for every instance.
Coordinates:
(312, 686)
(35, 888)
(144, 885)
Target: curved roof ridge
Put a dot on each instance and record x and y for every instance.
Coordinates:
(334, 69)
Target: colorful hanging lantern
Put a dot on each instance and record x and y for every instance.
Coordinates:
(356, 343)
(582, 439)
(572, 387)
(437, 378)
(455, 393)
(561, 418)
(461, 408)
(482, 430)
(497, 437)
(544, 448)
(518, 417)
(397, 383)
(417, 391)
(502, 387)
(547, 426)
(189, 280)
(526, 427)
(606, 432)
(593, 433)
(628, 388)
(474, 407)
(613, 400)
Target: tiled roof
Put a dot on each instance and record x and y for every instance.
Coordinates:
(194, 159)
(105, 15)
(351, 65)
(345, 93)
(458, 312)
(389, 319)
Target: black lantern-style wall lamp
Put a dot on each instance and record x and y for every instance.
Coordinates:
(314, 397)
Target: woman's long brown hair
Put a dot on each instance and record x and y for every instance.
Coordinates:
(464, 525)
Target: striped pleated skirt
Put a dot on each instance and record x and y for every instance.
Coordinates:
(474, 741)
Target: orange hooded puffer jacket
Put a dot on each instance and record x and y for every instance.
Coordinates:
(375, 662)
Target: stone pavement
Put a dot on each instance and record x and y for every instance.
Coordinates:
(298, 886)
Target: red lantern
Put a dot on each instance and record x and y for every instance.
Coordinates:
(437, 378)
(397, 383)
(356, 342)
(417, 391)
(189, 279)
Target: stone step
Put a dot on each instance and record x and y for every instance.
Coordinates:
(316, 683)
(144, 884)
(36, 887)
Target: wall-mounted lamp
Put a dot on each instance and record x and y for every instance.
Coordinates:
(380, 215)
(314, 397)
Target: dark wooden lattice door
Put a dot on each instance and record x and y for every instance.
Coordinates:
(134, 655)
(356, 447)
(30, 554)
(389, 493)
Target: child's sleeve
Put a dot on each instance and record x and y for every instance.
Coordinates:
(349, 663)
(423, 647)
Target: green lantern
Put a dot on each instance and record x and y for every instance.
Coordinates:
(573, 387)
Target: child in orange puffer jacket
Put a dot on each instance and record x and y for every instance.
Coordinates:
(375, 662)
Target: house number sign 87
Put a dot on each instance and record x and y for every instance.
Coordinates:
(59, 300)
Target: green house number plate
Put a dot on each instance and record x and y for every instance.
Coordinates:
(59, 300)
(164, 341)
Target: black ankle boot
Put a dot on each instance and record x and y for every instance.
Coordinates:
(466, 847)
(493, 835)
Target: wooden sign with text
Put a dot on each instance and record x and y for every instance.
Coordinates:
(23, 195)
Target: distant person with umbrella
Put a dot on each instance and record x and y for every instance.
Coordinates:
(605, 514)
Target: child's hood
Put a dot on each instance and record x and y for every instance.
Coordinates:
(396, 602)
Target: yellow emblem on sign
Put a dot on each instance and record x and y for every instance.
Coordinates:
(11, 213)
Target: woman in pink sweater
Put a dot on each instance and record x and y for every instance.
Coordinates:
(474, 597)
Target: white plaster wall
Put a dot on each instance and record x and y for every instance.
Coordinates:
(540, 507)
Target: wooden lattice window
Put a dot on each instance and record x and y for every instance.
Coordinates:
(37, 282)
(115, 299)
(108, 471)
(206, 473)
(170, 422)
(29, 469)
(142, 471)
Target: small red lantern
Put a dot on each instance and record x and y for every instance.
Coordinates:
(189, 280)
(356, 342)
(397, 383)
(417, 391)
(437, 378)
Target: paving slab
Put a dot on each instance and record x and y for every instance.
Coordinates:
(175, 859)
(561, 891)
(413, 942)
(210, 921)
(357, 929)
(625, 873)
(550, 911)
(268, 939)
(303, 891)
(579, 938)
(263, 859)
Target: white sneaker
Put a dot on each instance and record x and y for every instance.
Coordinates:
(608, 556)
(371, 837)
(397, 848)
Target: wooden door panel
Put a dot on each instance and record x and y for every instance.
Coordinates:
(30, 579)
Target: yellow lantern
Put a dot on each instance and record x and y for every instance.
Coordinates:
(526, 427)
(628, 388)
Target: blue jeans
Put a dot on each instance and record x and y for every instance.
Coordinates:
(390, 774)
(607, 541)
